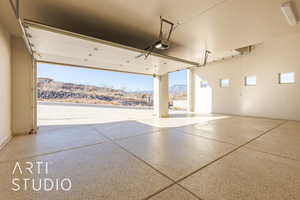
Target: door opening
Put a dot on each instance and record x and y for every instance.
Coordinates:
(74, 95)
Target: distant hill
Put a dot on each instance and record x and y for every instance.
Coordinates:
(48, 84)
(51, 90)
(51, 84)
(177, 89)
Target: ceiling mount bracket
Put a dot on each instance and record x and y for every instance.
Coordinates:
(162, 43)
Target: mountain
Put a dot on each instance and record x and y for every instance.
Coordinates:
(177, 89)
(48, 84)
(51, 90)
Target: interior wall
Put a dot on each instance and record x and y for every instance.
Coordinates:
(268, 98)
(5, 86)
(23, 118)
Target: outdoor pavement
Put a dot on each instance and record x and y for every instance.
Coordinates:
(70, 114)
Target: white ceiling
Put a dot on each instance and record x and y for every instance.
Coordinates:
(217, 25)
(58, 46)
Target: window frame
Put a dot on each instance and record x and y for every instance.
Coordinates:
(221, 81)
(204, 83)
(279, 78)
(246, 78)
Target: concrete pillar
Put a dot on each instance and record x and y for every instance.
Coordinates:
(23, 89)
(190, 90)
(161, 95)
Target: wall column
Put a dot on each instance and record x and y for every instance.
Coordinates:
(161, 95)
(23, 89)
(190, 90)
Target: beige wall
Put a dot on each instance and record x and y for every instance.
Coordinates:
(22, 88)
(267, 98)
(5, 83)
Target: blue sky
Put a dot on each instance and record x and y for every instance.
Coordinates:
(117, 80)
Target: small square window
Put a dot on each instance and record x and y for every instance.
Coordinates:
(224, 83)
(204, 84)
(250, 80)
(288, 77)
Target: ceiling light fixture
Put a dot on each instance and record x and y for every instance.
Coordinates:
(288, 12)
(163, 42)
(160, 45)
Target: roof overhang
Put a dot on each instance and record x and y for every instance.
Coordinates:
(54, 45)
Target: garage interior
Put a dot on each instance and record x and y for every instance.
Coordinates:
(238, 139)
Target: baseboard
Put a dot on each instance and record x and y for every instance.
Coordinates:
(5, 142)
(32, 131)
(253, 116)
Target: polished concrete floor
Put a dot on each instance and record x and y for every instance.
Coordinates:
(211, 158)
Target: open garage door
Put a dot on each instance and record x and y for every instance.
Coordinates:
(49, 44)
(72, 95)
(60, 47)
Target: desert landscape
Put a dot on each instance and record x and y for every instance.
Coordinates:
(49, 90)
